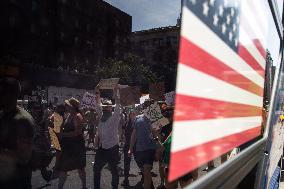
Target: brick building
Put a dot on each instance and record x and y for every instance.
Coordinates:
(159, 48)
(65, 34)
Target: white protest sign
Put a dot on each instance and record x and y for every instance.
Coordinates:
(170, 98)
(153, 113)
(89, 100)
(108, 83)
(143, 98)
(57, 95)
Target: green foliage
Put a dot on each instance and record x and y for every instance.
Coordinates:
(131, 70)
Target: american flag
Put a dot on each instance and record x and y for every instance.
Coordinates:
(220, 80)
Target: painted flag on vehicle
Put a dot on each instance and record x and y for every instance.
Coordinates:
(220, 81)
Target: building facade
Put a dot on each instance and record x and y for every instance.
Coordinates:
(159, 48)
(63, 34)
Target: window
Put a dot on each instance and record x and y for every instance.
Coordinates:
(44, 22)
(77, 23)
(168, 40)
(76, 40)
(89, 44)
(155, 42)
(161, 41)
(34, 5)
(33, 28)
(62, 16)
(75, 59)
(174, 40)
(12, 20)
(88, 27)
(117, 23)
(62, 35)
(77, 5)
(61, 56)
(116, 39)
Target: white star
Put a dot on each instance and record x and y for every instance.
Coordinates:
(221, 10)
(236, 3)
(232, 12)
(205, 8)
(228, 19)
(193, 1)
(212, 2)
(225, 3)
(215, 20)
(238, 20)
(224, 29)
(234, 27)
(236, 42)
(230, 36)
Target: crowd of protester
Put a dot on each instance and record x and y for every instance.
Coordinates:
(25, 144)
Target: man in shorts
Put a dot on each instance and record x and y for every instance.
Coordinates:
(107, 140)
(145, 148)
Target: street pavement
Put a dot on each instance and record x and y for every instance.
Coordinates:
(73, 180)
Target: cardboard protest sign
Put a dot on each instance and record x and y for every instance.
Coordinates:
(58, 120)
(170, 98)
(122, 86)
(153, 113)
(108, 83)
(89, 100)
(54, 139)
(129, 96)
(157, 90)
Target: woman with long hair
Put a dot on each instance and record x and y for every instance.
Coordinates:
(73, 155)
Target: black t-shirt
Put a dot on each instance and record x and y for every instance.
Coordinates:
(14, 126)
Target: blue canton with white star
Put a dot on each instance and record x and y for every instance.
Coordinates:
(221, 16)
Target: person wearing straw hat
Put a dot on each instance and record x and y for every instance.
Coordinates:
(73, 154)
(107, 140)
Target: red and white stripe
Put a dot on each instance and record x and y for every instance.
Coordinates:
(219, 92)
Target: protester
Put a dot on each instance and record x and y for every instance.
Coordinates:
(60, 110)
(165, 131)
(107, 140)
(73, 154)
(127, 134)
(16, 138)
(184, 180)
(142, 139)
(92, 122)
(42, 155)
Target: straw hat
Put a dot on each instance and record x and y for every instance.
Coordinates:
(73, 102)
